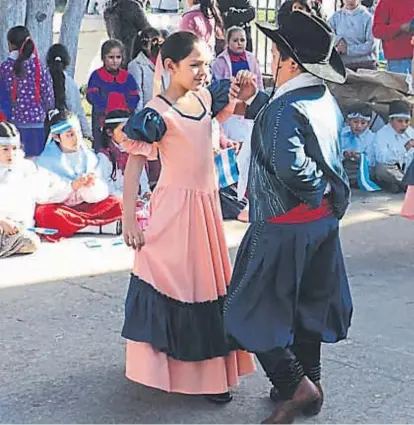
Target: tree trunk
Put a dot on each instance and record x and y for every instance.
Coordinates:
(39, 21)
(70, 29)
(15, 14)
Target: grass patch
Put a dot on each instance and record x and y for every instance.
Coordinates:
(266, 15)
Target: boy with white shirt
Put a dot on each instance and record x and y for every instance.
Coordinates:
(394, 145)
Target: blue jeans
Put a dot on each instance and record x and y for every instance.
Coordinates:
(400, 66)
(157, 10)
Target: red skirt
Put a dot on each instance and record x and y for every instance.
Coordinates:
(69, 220)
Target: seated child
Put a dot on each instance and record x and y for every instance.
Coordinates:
(408, 206)
(357, 138)
(89, 206)
(22, 185)
(394, 145)
(113, 158)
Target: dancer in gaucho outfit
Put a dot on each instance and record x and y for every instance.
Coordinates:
(289, 291)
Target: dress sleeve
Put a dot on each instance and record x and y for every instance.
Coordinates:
(219, 92)
(144, 130)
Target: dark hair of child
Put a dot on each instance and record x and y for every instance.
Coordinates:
(107, 138)
(54, 117)
(58, 60)
(8, 129)
(178, 46)
(19, 37)
(147, 42)
(112, 44)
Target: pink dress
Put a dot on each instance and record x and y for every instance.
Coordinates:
(173, 321)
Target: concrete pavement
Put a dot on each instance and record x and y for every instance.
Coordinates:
(62, 358)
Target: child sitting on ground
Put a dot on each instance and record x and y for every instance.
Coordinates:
(88, 207)
(357, 138)
(113, 158)
(394, 145)
(22, 185)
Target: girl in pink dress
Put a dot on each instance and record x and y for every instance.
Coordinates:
(203, 18)
(173, 312)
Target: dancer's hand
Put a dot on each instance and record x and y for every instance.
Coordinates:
(9, 227)
(234, 90)
(133, 235)
(247, 83)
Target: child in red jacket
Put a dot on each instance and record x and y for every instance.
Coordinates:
(394, 25)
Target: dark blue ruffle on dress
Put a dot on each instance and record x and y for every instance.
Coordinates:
(184, 331)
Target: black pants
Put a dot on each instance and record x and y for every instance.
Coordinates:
(285, 367)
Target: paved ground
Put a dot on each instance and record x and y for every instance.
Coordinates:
(62, 359)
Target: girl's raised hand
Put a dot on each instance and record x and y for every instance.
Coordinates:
(133, 235)
(247, 83)
(234, 89)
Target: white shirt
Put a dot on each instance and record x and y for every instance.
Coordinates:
(390, 146)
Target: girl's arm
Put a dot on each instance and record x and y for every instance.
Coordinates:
(132, 93)
(133, 236)
(94, 93)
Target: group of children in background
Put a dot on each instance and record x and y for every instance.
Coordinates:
(85, 185)
(387, 153)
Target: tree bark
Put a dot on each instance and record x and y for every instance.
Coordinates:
(39, 21)
(70, 29)
(15, 14)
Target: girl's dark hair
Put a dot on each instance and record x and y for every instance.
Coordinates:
(107, 139)
(178, 46)
(58, 60)
(310, 6)
(8, 129)
(55, 116)
(112, 44)
(21, 39)
(232, 30)
(143, 42)
(210, 9)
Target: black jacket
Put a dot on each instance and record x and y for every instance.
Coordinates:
(295, 153)
(237, 13)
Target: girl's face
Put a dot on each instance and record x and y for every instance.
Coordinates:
(400, 125)
(238, 42)
(191, 72)
(8, 155)
(299, 6)
(358, 125)
(190, 3)
(113, 59)
(117, 135)
(68, 141)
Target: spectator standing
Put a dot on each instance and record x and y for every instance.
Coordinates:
(354, 39)
(203, 18)
(67, 94)
(393, 24)
(30, 88)
(239, 13)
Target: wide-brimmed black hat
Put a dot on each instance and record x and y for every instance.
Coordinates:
(310, 42)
